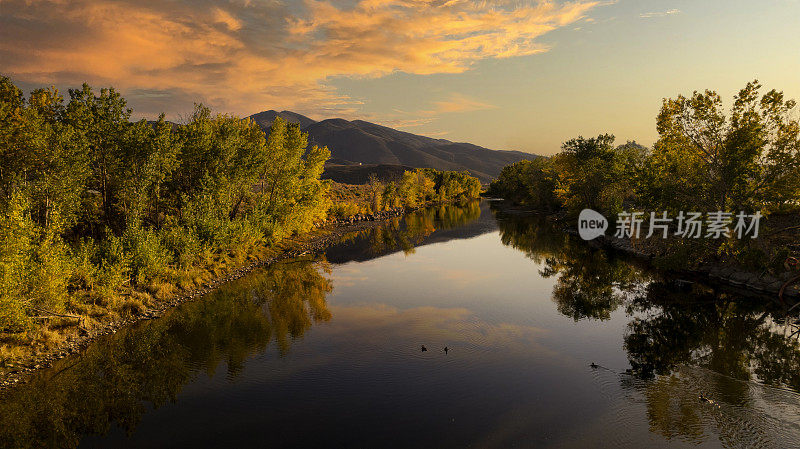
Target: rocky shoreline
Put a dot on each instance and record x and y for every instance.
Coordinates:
(320, 239)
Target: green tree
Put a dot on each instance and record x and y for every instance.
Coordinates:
(530, 183)
(749, 160)
(591, 174)
(102, 122)
(295, 197)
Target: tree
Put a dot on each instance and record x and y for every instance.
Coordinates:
(748, 161)
(102, 122)
(375, 190)
(530, 183)
(295, 197)
(592, 174)
(91, 202)
(149, 159)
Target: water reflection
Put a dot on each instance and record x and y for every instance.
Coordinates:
(421, 227)
(119, 378)
(268, 354)
(591, 283)
(109, 383)
(738, 336)
(735, 336)
(680, 343)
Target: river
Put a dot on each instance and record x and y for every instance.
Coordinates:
(550, 343)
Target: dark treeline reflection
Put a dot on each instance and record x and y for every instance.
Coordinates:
(590, 283)
(406, 233)
(741, 338)
(111, 383)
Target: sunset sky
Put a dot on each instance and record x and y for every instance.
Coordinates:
(522, 75)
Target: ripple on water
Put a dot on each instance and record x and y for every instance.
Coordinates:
(743, 414)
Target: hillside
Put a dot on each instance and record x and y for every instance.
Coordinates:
(359, 174)
(357, 141)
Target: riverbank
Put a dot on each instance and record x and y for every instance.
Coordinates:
(762, 283)
(18, 371)
(737, 277)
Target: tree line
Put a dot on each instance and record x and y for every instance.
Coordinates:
(416, 188)
(92, 201)
(102, 214)
(704, 160)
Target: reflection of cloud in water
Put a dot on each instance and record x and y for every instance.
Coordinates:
(348, 281)
(467, 275)
(390, 327)
(365, 337)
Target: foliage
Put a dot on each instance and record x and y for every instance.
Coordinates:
(703, 161)
(94, 204)
(415, 189)
(529, 183)
(588, 173)
(749, 161)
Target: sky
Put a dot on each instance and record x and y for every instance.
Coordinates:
(506, 74)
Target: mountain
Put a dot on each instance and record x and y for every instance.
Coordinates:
(359, 174)
(357, 141)
(265, 119)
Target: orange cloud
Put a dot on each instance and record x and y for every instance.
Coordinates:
(244, 56)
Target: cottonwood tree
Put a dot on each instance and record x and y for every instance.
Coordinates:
(292, 190)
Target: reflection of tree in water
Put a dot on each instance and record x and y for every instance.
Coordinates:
(742, 414)
(412, 230)
(702, 341)
(152, 362)
(670, 330)
(733, 336)
(718, 331)
(590, 283)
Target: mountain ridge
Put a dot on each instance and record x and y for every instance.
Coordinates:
(359, 141)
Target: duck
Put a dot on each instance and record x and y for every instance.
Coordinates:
(446, 349)
(704, 398)
(423, 348)
(594, 365)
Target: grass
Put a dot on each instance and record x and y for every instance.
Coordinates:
(93, 310)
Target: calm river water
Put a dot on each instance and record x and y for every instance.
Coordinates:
(325, 351)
